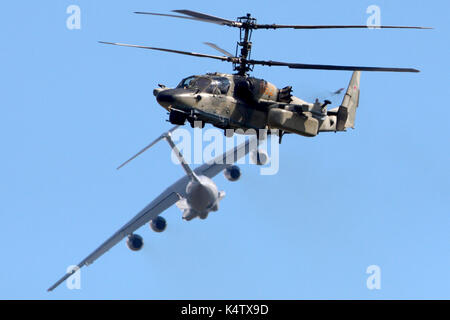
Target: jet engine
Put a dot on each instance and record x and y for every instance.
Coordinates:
(158, 224)
(232, 173)
(135, 242)
(259, 157)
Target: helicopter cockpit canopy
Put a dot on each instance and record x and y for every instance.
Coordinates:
(214, 85)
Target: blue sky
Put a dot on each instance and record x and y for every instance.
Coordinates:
(72, 110)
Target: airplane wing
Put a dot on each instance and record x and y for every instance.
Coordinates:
(165, 200)
(157, 206)
(215, 166)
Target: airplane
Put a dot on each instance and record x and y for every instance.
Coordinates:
(195, 194)
(239, 101)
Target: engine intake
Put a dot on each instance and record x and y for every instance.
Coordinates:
(135, 242)
(232, 173)
(158, 224)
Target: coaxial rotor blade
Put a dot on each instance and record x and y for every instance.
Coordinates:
(168, 15)
(278, 26)
(196, 16)
(209, 18)
(328, 67)
(215, 46)
(193, 15)
(170, 50)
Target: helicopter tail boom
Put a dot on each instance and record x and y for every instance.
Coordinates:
(347, 111)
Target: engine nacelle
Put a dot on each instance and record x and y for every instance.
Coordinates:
(158, 224)
(135, 242)
(259, 157)
(232, 173)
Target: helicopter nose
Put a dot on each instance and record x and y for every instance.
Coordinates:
(176, 97)
(165, 98)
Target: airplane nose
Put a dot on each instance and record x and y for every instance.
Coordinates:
(165, 98)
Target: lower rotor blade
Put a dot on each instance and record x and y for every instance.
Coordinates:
(350, 68)
(215, 46)
(169, 50)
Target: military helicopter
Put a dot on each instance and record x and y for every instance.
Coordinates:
(239, 101)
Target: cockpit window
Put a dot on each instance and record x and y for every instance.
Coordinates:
(198, 83)
(214, 85)
(185, 82)
(219, 85)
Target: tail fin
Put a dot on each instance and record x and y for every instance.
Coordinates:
(168, 137)
(347, 111)
(161, 137)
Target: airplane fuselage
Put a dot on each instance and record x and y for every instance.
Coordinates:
(202, 197)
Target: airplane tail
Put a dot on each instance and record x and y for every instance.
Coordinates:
(168, 137)
(347, 111)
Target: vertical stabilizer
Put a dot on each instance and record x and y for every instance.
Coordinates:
(347, 111)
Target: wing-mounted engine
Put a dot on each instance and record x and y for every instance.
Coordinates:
(232, 173)
(135, 242)
(158, 224)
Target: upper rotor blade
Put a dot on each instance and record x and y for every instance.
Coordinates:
(329, 67)
(170, 50)
(167, 15)
(193, 15)
(209, 18)
(215, 46)
(278, 26)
